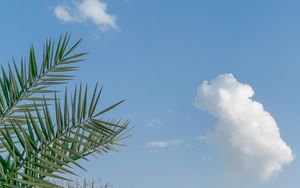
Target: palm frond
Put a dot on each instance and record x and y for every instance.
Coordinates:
(50, 146)
(23, 84)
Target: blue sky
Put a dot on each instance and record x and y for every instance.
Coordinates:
(155, 54)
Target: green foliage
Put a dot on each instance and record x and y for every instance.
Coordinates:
(41, 137)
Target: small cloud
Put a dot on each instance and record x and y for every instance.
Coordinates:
(62, 14)
(154, 123)
(87, 10)
(163, 144)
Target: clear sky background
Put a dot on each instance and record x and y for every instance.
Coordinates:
(155, 56)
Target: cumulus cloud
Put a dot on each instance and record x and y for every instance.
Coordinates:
(248, 135)
(87, 10)
(163, 144)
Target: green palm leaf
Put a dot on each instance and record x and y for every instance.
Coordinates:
(51, 145)
(23, 84)
(40, 137)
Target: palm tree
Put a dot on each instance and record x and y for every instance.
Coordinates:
(41, 136)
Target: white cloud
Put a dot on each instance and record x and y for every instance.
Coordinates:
(248, 135)
(62, 14)
(87, 10)
(154, 123)
(163, 144)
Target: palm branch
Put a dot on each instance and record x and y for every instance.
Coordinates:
(23, 84)
(41, 141)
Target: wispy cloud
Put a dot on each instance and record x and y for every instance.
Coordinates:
(81, 11)
(247, 133)
(163, 144)
(154, 123)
